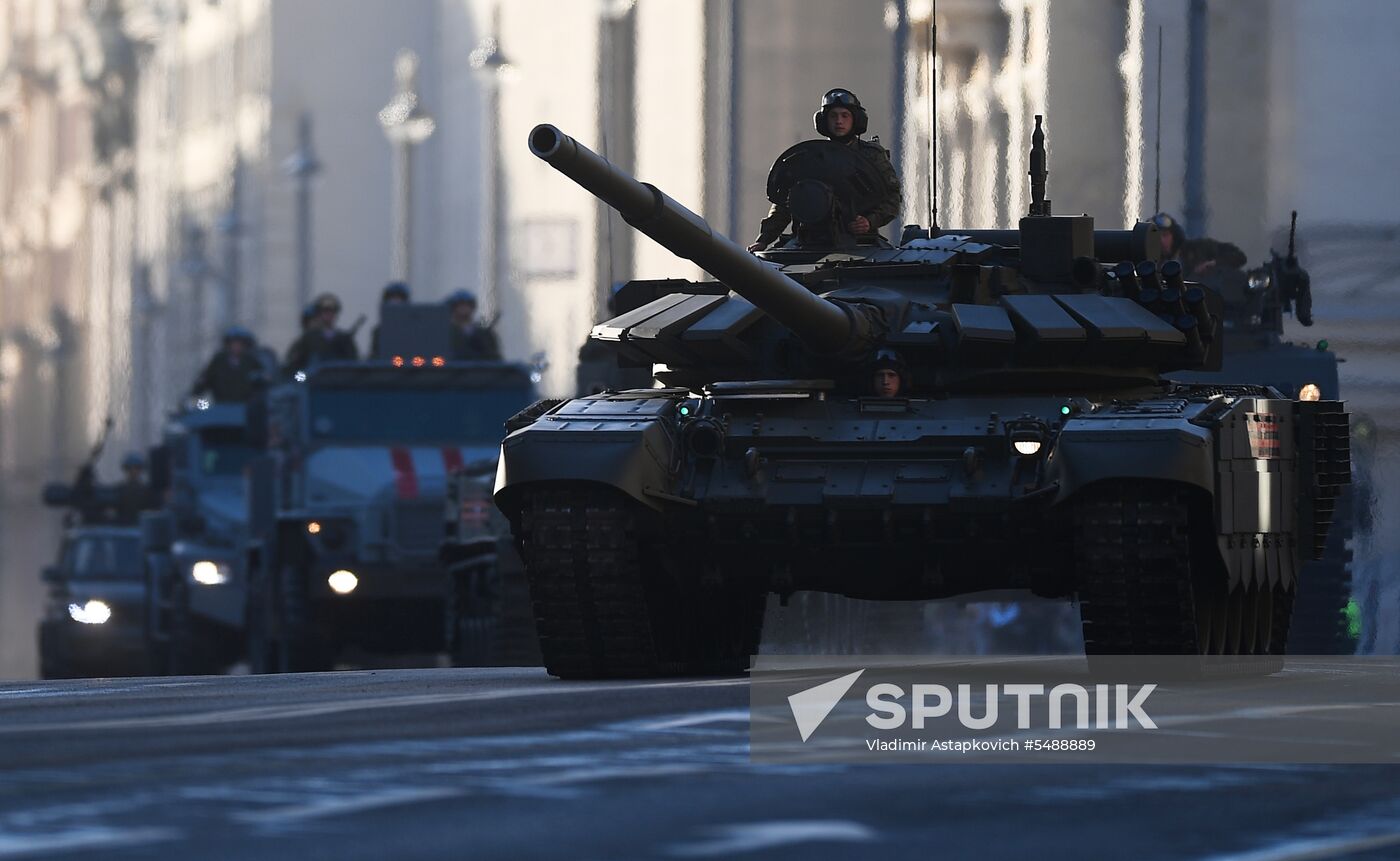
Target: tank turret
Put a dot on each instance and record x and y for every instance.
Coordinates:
(961, 303)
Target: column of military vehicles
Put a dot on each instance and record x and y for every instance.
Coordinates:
(305, 526)
(1051, 409)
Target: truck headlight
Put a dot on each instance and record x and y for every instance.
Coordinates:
(207, 573)
(94, 612)
(342, 582)
(1310, 392)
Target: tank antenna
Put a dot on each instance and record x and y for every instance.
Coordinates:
(1039, 205)
(932, 124)
(1157, 182)
(1292, 235)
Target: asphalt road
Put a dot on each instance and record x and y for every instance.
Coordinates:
(512, 764)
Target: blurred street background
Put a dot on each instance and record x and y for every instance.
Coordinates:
(172, 167)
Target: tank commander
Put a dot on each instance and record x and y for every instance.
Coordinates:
(471, 340)
(234, 371)
(394, 293)
(842, 119)
(889, 375)
(321, 341)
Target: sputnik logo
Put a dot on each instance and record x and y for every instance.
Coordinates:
(810, 707)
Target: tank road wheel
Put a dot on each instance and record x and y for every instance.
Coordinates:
(609, 603)
(300, 649)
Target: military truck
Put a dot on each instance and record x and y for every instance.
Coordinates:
(346, 507)
(1255, 304)
(93, 623)
(194, 547)
(1032, 442)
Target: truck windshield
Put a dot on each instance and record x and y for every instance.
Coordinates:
(409, 415)
(223, 451)
(105, 557)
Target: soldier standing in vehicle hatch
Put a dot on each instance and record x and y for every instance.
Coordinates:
(842, 119)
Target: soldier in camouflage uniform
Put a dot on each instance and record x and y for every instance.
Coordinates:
(842, 119)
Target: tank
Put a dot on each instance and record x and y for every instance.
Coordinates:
(1033, 441)
(1255, 303)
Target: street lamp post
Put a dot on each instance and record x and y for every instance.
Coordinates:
(488, 58)
(301, 166)
(406, 124)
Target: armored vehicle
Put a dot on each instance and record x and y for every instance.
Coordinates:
(93, 623)
(347, 505)
(1255, 302)
(194, 547)
(1031, 441)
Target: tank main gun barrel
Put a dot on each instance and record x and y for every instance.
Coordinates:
(824, 326)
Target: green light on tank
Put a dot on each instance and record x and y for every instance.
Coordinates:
(685, 410)
(1353, 614)
(1322, 345)
(1064, 410)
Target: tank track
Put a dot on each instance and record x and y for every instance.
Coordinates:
(1141, 593)
(1134, 563)
(606, 608)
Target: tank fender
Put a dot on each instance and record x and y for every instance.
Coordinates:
(1090, 451)
(626, 443)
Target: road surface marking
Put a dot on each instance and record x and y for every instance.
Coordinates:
(684, 721)
(79, 691)
(341, 805)
(1315, 850)
(96, 837)
(757, 836)
(320, 709)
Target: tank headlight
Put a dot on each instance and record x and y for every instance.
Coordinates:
(1259, 280)
(342, 582)
(209, 573)
(1027, 447)
(299, 376)
(1027, 435)
(1310, 392)
(313, 527)
(92, 613)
